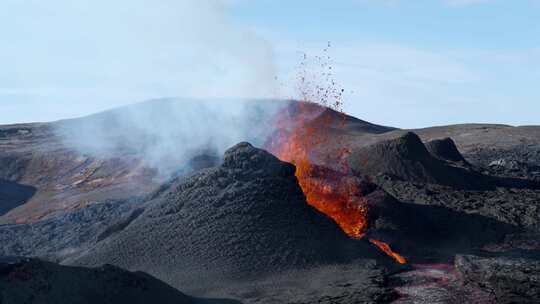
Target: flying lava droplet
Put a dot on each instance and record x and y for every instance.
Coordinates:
(306, 138)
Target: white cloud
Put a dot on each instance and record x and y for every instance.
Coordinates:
(123, 51)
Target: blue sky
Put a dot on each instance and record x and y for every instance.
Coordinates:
(495, 25)
(402, 63)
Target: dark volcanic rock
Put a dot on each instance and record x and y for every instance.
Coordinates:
(521, 242)
(516, 207)
(423, 232)
(406, 158)
(445, 149)
(353, 283)
(519, 160)
(247, 217)
(514, 168)
(63, 235)
(33, 281)
(510, 280)
(13, 194)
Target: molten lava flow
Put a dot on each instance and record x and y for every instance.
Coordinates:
(330, 191)
(303, 134)
(335, 196)
(386, 248)
(309, 137)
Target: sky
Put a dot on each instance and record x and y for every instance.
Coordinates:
(407, 64)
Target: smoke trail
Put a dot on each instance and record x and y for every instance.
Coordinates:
(85, 56)
(168, 133)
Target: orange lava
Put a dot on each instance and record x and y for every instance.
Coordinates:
(386, 248)
(304, 133)
(308, 136)
(328, 190)
(338, 199)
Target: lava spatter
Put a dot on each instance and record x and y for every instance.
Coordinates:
(306, 138)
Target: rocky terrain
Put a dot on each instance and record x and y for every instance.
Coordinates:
(247, 217)
(461, 203)
(489, 214)
(42, 176)
(505, 279)
(35, 281)
(62, 235)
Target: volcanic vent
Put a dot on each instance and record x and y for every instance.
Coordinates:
(308, 136)
(247, 217)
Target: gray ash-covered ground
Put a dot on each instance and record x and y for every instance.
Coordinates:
(404, 168)
(521, 161)
(33, 281)
(461, 203)
(42, 177)
(469, 210)
(505, 279)
(517, 207)
(58, 237)
(512, 201)
(363, 281)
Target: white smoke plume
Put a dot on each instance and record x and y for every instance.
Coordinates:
(167, 133)
(64, 58)
(91, 55)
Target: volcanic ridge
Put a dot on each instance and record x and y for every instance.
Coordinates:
(343, 211)
(246, 217)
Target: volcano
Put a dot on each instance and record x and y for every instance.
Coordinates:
(247, 217)
(321, 207)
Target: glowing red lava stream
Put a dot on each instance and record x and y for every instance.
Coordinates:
(330, 191)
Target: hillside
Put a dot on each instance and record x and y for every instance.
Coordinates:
(171, 188)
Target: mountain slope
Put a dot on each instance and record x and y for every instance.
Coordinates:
(35, 281)
(407, 158)
(247, 217)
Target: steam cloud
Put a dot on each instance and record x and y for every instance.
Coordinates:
(168, 133)
(93, 55)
